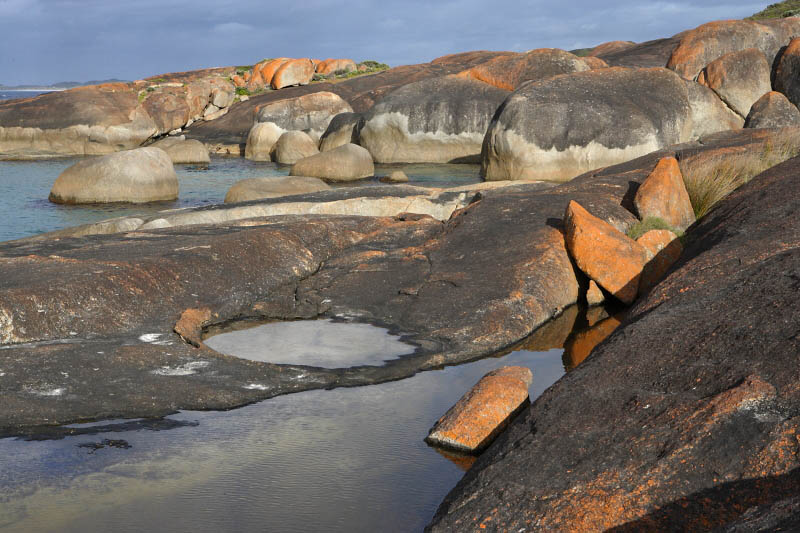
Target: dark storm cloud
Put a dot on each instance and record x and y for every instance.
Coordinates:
(43, 41)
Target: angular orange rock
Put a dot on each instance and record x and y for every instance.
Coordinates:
(594, 295)
(330, 66)
(664, 248)
(483, 412)
(606, 255)
(293, 72)
(238, 80)
(269, 69)
(663, 195)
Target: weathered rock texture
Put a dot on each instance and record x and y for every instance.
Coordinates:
(603, 253)
(438, 121)
(310, 113)
(180, 150)
(610, 47)
(258, 188)
(293, 72)
(787, 76)
(739, 78)
(511, 71)
(261, 141)
(293, 146)
(695, 398)
(663, 250)
(558, 128)
(663, 195)
(348, 162)
(773, 110)
(329, 66)
(709, 114)
(706, 43)
(484, 411)
(342, 129)
(136, 176)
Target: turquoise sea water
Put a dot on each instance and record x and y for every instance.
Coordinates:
(25, 185)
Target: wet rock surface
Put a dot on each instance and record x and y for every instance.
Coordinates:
(695, 398)
(86, 323)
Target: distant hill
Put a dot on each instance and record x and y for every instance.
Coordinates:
(59, 85)
(787, 8)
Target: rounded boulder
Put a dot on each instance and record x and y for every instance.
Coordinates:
(293, 146)
(345, 163)
(261, 141)
(293, 72)
(509, 72)
(259, 188)
(343, 129)
(773, 110)
(739, 78)
(182, 151)
(135, 176)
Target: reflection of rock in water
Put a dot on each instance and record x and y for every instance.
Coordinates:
(550, 335)
(580, 345)
(462, 461)
(105, 443)
(60, 432)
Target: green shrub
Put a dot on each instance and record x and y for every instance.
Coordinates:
(650, 223)
(242, 91)
(581, 52)
(788, 8)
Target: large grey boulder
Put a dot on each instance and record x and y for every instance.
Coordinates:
(259, 188)
(437, 120)
(261, 141)
(293, 146)
(180, 150)
(558, 128)
(342, 130)
(136, 176)
(310, 112)
(709, 114)
(773, 110)
(345, 163)
(739, 78)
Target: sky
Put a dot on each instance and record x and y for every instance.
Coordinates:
(48, 41)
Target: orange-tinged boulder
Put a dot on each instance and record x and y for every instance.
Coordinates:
(702, 45)
(594, 294)
(510, 71)
(269, 69)
(610, 47)
(256, 81)
(579, 346)
(293, 72)
(663, 195)
(594, 62)
(238, 80)
(787, 75)
(329, 66)
(664, 249)
(168, 107)
(483, 412)
(772, 110)
(603, 253)
(739, 78)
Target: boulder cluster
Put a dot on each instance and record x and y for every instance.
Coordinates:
(287, 72)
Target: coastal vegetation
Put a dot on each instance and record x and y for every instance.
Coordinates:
(787, 8)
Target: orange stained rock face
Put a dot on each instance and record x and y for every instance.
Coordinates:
(479, 416)
(238, 81)
(293, 72)
(594, 62)
(666, 249)
(510, 71)
(578, 347)
(663, 195)
(609, 47)
(594, 295)
(270, 68)
(189, 326)
(607, 256)
(332, 65)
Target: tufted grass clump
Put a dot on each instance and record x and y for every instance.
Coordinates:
(709, 180)
(787, 8)
(648, 224)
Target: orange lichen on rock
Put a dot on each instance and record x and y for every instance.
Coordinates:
(664, 249)
(270, 68)
(293, 72)
(510, 71)
(189, 326)
(603, 253)
(329, 66)
(663, 195)
(479, 416)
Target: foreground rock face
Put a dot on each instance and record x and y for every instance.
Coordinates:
(604, 254)
(346, 163)
(558, 128)
(773, 110)
(136, 176)
(709, 114)
(694, 424)
(258, 188)
(509, 72)
(663, 195)
(484, 411)
(437, 121)
(181, 151)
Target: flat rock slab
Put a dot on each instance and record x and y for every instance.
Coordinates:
(87, 323)
(484, 411)
(687, 417)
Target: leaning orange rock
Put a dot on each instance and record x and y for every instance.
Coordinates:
(483, 412)
(607, 256)
(663, 195)
(271, 67)
(293, 72)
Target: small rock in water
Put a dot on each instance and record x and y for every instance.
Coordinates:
(483, 412)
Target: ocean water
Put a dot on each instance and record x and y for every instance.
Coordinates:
(25, 186)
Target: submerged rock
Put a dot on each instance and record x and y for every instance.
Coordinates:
(483, 412)
(136, 176)
(345, 163)
(558, 128)
(663, 195)
(180, 150)
(604, 254)
(293, 146)
(773, 110)
(258, 188)
(441, 120)
(396, 176)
